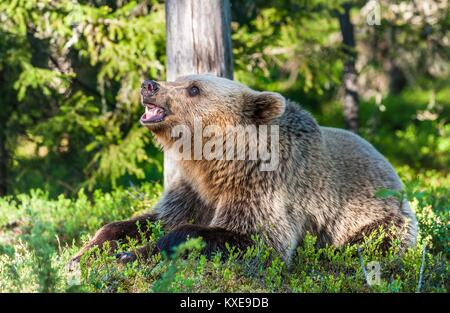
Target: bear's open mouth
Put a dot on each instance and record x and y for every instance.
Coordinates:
(153, 114)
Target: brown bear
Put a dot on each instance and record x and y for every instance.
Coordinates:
(324, 182)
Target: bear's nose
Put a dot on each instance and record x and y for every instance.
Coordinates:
(149, 88)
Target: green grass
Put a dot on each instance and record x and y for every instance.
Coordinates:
(38, 235)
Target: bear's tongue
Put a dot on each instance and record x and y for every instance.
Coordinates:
(153, 114)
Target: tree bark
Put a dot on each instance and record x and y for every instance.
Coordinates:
(397, 79)
(198, 35)
(4, 155)
(350, 76)
(198, 38)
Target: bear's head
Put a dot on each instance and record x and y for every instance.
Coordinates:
(213, 100)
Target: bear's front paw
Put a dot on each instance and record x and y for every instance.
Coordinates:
(74, 263)
(109, 233)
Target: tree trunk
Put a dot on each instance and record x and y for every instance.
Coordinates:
(350, 76)
(4, 155)
(3, 164)
(397, 79)
(198, 38)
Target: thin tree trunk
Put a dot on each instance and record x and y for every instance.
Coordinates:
(198, 41)
(350, 76)
(4, 155)
(4, 160)
(397, 79)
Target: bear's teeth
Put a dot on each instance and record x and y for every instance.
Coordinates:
(153, 113)
(153, 110)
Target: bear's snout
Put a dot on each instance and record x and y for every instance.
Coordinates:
(149, 88)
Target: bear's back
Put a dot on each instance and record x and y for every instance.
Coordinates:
(357, 160)
(354, 160)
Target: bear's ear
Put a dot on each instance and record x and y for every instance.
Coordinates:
(263, 107)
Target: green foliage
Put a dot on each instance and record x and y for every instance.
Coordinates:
(283, 46)
(411, 128)
(71, 73)
(35, 228)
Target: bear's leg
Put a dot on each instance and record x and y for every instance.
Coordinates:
(394, 226)
(215, 239)
(178, 205)
(117, 231)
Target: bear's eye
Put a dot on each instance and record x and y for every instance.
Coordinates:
(194, 91)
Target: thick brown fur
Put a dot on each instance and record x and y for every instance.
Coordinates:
(325, 183)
